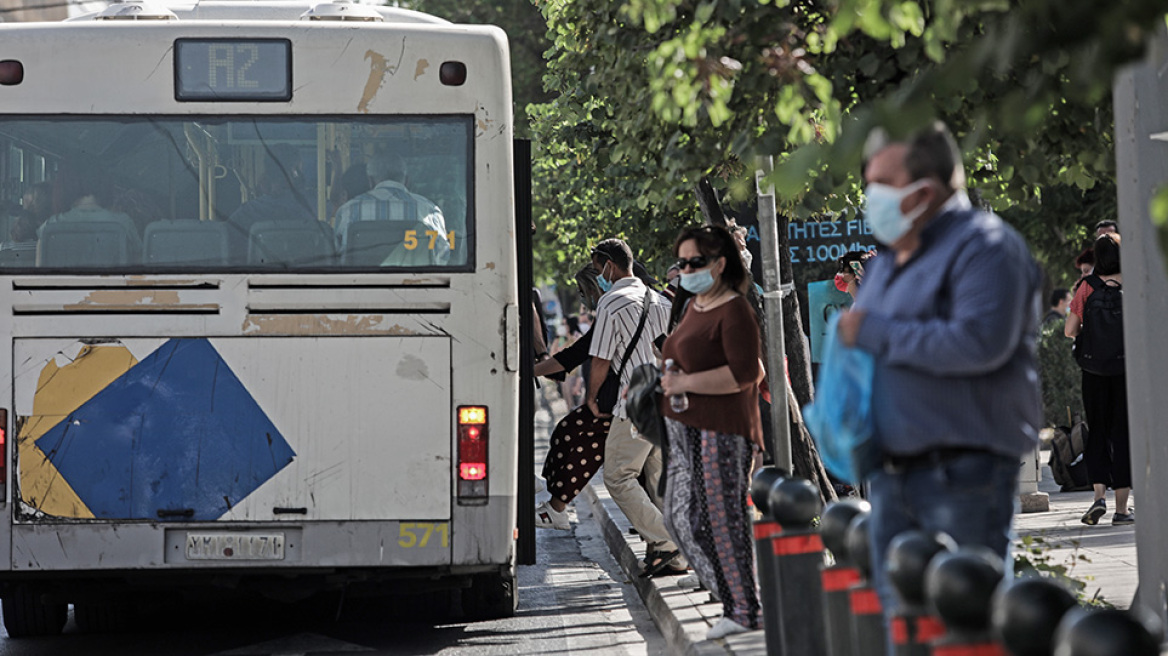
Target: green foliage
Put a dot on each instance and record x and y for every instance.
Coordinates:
(1033, 557)
(651, 96)
(1062, 380)
(1159, 213)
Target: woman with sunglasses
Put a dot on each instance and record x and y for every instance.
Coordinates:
(715, 353)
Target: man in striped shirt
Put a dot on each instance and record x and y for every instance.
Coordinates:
(424, 235)
(626, 454)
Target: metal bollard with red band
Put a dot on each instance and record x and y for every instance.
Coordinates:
(959, 586)
(867, 617)
(765, 529)
(1027, 612)
(913, 628)
(840, 577)
(797, 555)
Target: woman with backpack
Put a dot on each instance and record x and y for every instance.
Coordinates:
(1095, 320)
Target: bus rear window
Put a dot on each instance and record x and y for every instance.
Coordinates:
(162, 194)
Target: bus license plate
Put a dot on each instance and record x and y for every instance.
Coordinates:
(235, 546)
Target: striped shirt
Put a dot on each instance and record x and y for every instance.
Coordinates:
(391, 201)
(617, 316)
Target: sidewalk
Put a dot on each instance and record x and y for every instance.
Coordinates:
(1104, 556)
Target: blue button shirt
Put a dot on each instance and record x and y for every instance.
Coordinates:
(953, 335)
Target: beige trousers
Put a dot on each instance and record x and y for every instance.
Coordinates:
(626, 455)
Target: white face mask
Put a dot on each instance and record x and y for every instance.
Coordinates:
(882, 210)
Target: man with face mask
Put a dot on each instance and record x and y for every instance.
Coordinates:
(950, 312)
(627, 454)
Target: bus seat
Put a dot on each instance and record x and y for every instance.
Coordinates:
(290, 243)
(21, 254)
(185, 242)
(369, 243)
(83, 244)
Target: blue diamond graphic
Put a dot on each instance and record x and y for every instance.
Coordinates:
(177, 437)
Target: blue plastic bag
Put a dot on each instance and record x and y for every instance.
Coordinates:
(840, 419)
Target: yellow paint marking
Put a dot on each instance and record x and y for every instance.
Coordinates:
(379, 68)
(420, 70)
(60, 391)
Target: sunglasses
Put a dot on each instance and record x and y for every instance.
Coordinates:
(698, 262)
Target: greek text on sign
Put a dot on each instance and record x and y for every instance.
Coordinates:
(235, 546)
(825, 241)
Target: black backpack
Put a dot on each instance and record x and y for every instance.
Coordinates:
(1066, 458)
(1099, 346)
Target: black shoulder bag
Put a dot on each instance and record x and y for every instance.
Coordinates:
(610, 389)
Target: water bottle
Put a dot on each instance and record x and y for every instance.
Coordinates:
(677, 402)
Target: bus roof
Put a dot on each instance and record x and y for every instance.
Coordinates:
(264, 10)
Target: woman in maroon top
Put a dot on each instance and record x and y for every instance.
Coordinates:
(715, 353)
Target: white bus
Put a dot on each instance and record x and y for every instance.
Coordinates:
(259, 307)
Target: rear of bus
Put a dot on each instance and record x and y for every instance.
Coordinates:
(235, 360)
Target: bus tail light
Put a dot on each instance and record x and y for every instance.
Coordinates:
(3, 452)
(473, 434)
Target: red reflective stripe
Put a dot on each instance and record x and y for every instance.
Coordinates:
(789, 545)
(840, 578)
(983, 649)
(865, 602)
(929, 628)
(899, 631)
(764, 530)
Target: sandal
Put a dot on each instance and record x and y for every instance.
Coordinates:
(660, 563)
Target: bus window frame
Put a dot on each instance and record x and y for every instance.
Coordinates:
(471, 219)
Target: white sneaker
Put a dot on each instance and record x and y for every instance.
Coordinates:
(689, 582)
(548, 517)
(723, 628)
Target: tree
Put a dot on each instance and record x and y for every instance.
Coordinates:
(654, 96)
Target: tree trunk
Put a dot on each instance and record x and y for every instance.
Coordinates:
(804, 456)
(795, 339)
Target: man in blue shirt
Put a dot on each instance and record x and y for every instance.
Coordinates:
(949, 310)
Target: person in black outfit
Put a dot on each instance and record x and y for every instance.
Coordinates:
(1108, 452)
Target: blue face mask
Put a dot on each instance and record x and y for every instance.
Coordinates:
(882, 211)
(605, 285)
(698, 282)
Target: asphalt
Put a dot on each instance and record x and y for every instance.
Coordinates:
(1102, 558)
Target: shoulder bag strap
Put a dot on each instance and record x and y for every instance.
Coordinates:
(636, 335)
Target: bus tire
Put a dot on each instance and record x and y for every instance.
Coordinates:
(491, 596)
(27, 615)
(109, 616)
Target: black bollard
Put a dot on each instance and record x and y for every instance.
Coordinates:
(1026, 614)
(797, 554)
(840, 577)
(867, 617)
(959, 586)
(1110, 632)
(912, 627)
(765, 530)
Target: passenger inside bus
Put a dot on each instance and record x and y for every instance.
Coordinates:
(87, 224)
(279, 198)
(417, 234)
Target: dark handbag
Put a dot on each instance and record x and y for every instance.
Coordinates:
(644, 403)
(610, 389)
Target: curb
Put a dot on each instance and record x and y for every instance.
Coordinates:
(683, 617)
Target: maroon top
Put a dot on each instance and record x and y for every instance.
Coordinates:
(725, 335)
